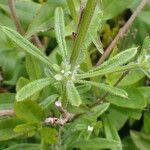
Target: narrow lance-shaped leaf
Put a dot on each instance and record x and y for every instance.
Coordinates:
(98, 44)
(140, 139)
(113, 64)
(32, 88)
(107, 88)
(60, 32)
(73, 11)
(82, 32)
(96, 143)
(72, 94)
(99, 109)
(25, 44)
(107, 71)
(110, 131)
(28, 111)
(92, 30)
(119, 59)
(33, 67)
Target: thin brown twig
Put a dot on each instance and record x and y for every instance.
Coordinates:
(122, 32)
(14, 16)
(7, 113)
(107, 93)
(64, 115)
(17, 23)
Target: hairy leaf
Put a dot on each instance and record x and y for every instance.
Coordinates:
(135, 99)
(72, 94)
(113, 64)
(110, 132)
(107, 88)
(25, 44)
(83, 28)
(73, 11)
(118, 60)
(32, 88)
(28, 111)
(6, 128)
(93, 28)
(60, 32)
(97, 143)
(24, 146)
(141, 140)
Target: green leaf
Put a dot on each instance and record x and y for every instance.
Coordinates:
(49, 135)
(118, 60)
(83, 88)
(73, 11)
(6, 128)
(33, 87)
(113, 64)
(108, 71)
(141, 140)
(33, 67)
(99, 109)
(24, 128)
(21, 83)
(129, 112)
(60, 32)
(82, 32)
(146, 125)
(43, 19)
(107, 88)
(97, 143)
(109, 7)
(48, 101)
(128, 144)
(116, 118)
(28, 111)
(9, 61)
(92, 30)
(145, 91)
(25, 146)
(111, 132)
(25, 11)
(135, 99)
(98, 44)
(25, 44)
(6, 101)
(72, 94)
(131, 79)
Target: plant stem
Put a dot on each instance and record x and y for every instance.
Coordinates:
(73, 11)
(82, 31)
(7, 113)
(14, 16)
(17, 23)
(107, 93)
(122, 32)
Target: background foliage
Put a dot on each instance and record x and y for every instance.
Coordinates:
(52, 58)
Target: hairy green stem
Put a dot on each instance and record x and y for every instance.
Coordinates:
(82, 32)
(73, 11)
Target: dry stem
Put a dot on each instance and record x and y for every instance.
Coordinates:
(122, 32)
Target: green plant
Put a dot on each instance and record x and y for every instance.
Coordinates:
(62, 100)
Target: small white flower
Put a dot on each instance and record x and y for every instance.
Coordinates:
(58, 77)
(69, 72)
(62, 71)
(58, 104)
(90, 128)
